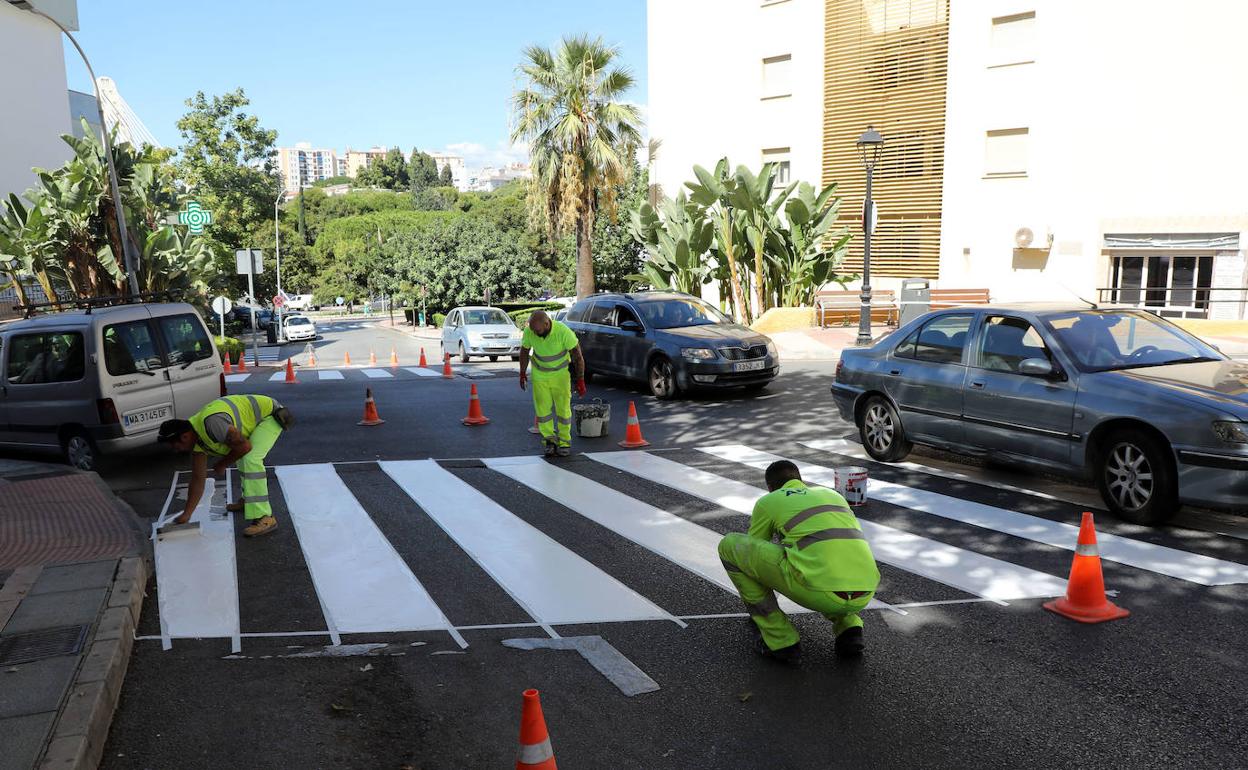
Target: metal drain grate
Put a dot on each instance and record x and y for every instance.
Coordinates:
(37, 645)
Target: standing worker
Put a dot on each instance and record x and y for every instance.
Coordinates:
(552, 346)
(823, 563)
(238, 429)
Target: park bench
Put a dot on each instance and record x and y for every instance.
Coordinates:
(843, 307)
(942, 299)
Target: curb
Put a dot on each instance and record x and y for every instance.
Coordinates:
(81, 729)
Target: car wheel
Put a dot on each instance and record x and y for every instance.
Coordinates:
(79, 452)
(662, 378)
(1136, 478)
(493, 358)
(879, 428)
(463, 354)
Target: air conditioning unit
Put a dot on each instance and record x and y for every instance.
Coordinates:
(1029, 237)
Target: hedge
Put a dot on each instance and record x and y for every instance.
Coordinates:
(230, 346)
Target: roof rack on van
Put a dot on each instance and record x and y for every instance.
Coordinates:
(90, 303)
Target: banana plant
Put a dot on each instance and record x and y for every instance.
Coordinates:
(714, 191)
(760, 208)
(677, 238)
(807, 253)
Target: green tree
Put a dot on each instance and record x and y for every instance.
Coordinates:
(227, 160)
(582, 138)
(347, 256)
(446, 178)
(435, 199)
(677, 237)
(424, 171)
(390, 171)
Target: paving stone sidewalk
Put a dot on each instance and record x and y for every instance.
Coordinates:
(74, 561)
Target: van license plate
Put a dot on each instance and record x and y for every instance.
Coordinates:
(749, 366)
(144, 416)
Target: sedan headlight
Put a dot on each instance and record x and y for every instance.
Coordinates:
(771, 349)
(1231, 432)
(697, 354)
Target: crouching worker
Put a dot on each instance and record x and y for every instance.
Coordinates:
(823, 563)
(237, 429)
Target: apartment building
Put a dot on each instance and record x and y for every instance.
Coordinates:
(459, 171)
(303, 165)
(358, 159)
(1044, 150)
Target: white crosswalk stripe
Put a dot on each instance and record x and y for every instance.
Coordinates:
(329, 374)
(363, 584)
(421, 371)
(376, 374)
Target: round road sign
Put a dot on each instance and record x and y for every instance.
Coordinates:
(222, 305)
(341, 301)
(279, 300)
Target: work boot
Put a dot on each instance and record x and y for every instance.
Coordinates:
(563, 451)
(849, 643)
(551, 448)
(260, 526)
(235, 507)
(792, 655)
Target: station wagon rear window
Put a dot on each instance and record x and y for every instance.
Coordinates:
(46, 357)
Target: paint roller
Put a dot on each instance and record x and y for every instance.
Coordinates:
(178, 530)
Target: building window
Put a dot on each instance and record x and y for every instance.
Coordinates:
(779, 156)
(776, 76)
(1005, 153)
(1013, 40)
(1176, 285)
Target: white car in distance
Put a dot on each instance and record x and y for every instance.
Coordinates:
(299, 327)
(480, 331)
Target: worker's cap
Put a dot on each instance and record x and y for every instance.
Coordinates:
(170, 430)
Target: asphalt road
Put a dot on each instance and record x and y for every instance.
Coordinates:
(962, 682)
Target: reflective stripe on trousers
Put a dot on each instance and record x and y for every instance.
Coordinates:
(552, 402)
(251, 467)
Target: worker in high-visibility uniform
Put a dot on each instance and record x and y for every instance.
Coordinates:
(822, 562)
(238, 429)
(553, 348)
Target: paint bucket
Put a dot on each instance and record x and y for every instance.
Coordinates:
(851, 482)
(592, 420)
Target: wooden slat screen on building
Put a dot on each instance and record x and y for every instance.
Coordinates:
(886, 63)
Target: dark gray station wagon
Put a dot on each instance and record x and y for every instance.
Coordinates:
(1153, 414)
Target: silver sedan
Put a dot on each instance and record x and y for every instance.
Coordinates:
(1152, 414)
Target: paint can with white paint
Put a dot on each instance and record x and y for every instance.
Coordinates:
(592, 420)
(851, 482)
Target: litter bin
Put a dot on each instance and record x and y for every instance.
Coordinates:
(271, 332)
(916, 298)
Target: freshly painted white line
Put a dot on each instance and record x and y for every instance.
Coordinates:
(278, 376)
(552, 583)
(421, 371)
(1194, 568)
(329, 374)
(678, 540)
(363, 584)
(237, 377)
(377, 374)
(964, 570)
(196, 576)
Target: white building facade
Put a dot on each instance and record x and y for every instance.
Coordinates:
(303, 165)
(459, 172)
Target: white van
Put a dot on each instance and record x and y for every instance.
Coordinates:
(85, 382)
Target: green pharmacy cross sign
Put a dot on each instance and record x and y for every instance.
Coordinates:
(195, 217)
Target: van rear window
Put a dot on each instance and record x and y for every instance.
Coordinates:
(46, 357)
(185, 338)
(129, 349)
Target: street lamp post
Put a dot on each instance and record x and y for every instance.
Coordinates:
(277, 250)
(869, 145)
(127, 248)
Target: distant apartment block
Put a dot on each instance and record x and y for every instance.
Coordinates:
(358, 159)
(491, 177)
(303, 165)
(459, 171)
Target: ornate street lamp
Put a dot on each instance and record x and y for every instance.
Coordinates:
(870, 144)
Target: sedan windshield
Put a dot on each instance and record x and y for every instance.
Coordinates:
(298, 321)
(675, 313)
(1105, 340)
(486, 317)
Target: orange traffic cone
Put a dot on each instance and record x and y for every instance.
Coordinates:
(535, 750)
(370, 410)
(228, 368)
(242, 362)
(394, 358)
(632, 437)
(312, 358)
(1085, 592)
(422, 358)
(534, 428)
(475, 416)
(446, 367)
(290, 372)
(346, 358)
(372, 357)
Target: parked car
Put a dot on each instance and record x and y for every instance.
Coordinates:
(299, 327)
(1152, 414)
(480, 331)
(673, 342)
(301, 302)
(102, 381)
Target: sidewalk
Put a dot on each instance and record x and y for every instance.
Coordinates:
(73, 567)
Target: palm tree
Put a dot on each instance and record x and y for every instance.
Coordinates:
(581, 138)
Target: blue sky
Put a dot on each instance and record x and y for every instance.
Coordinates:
(433, 75)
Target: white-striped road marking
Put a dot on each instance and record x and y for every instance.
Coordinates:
(376, 374)
(278, 376)
(329, 374)
(472, 372)
(965, 570)
(196, 574)
(237, 377)
(678, 540)
(553, 584)
(421, 371)
(362, 582)
(1194, 568)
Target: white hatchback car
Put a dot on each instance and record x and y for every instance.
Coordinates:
(299, 327)
(480, 331)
